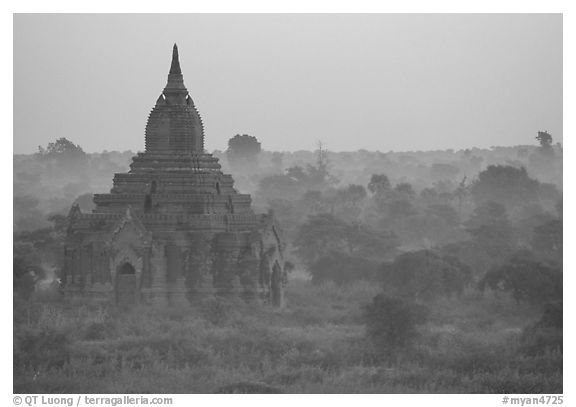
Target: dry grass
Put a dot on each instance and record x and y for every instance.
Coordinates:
(315, 345)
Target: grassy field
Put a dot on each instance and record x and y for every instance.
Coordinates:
(315, 345)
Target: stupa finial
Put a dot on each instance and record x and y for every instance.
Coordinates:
(175, 67)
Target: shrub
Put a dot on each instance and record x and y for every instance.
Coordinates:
(216, 310)
(391, 323)
(552, 315)
(546, 334)
(97, 331)
(43, 348)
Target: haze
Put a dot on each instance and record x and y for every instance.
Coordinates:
(376, 82)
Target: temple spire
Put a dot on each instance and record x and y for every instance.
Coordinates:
(175, 67)
(175, 91)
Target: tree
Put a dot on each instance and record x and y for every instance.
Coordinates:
(278, 187)
(27, 214)
(353, 194)
(526, 279)
(526, 220)
(348, 199)
(314, 202)
(441, 171)
(545, 139)
(26, 269)
(425, 274)
(277, 160)
(367, 242)
(426, 230)
(507, 185)
(473, 255)
(381, 190)
(445, 212)
(325, 233)
(547, 240)
(243, 151)
(61, 149)
(461, 193)
(341, 269)
(301, 179)
(405, 189)
(379, 184)
(392, 323)
(35, 250)
(320, 235)
(491, 231)
(429, 196)
(294, 183)
(488, 213)
(321, 168)
(297, 173)
(318, 176)
(401, 208)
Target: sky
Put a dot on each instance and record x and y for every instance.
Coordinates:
(385, 82)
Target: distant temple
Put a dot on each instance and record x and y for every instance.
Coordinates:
(173, 229)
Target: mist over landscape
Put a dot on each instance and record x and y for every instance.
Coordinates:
(412, 166)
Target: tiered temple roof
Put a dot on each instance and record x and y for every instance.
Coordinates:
(174, 175)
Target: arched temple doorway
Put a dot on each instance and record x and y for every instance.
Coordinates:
(126, 287)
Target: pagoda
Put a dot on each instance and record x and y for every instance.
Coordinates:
(173, 229)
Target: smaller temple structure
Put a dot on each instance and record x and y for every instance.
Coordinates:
(173, 229)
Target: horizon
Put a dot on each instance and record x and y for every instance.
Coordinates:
(327, 150)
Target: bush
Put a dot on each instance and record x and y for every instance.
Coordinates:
(391, 323)
(168, 350)
(216, 310)
(97, 331)
(41, 348)
(546, 334)
(552, 315)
